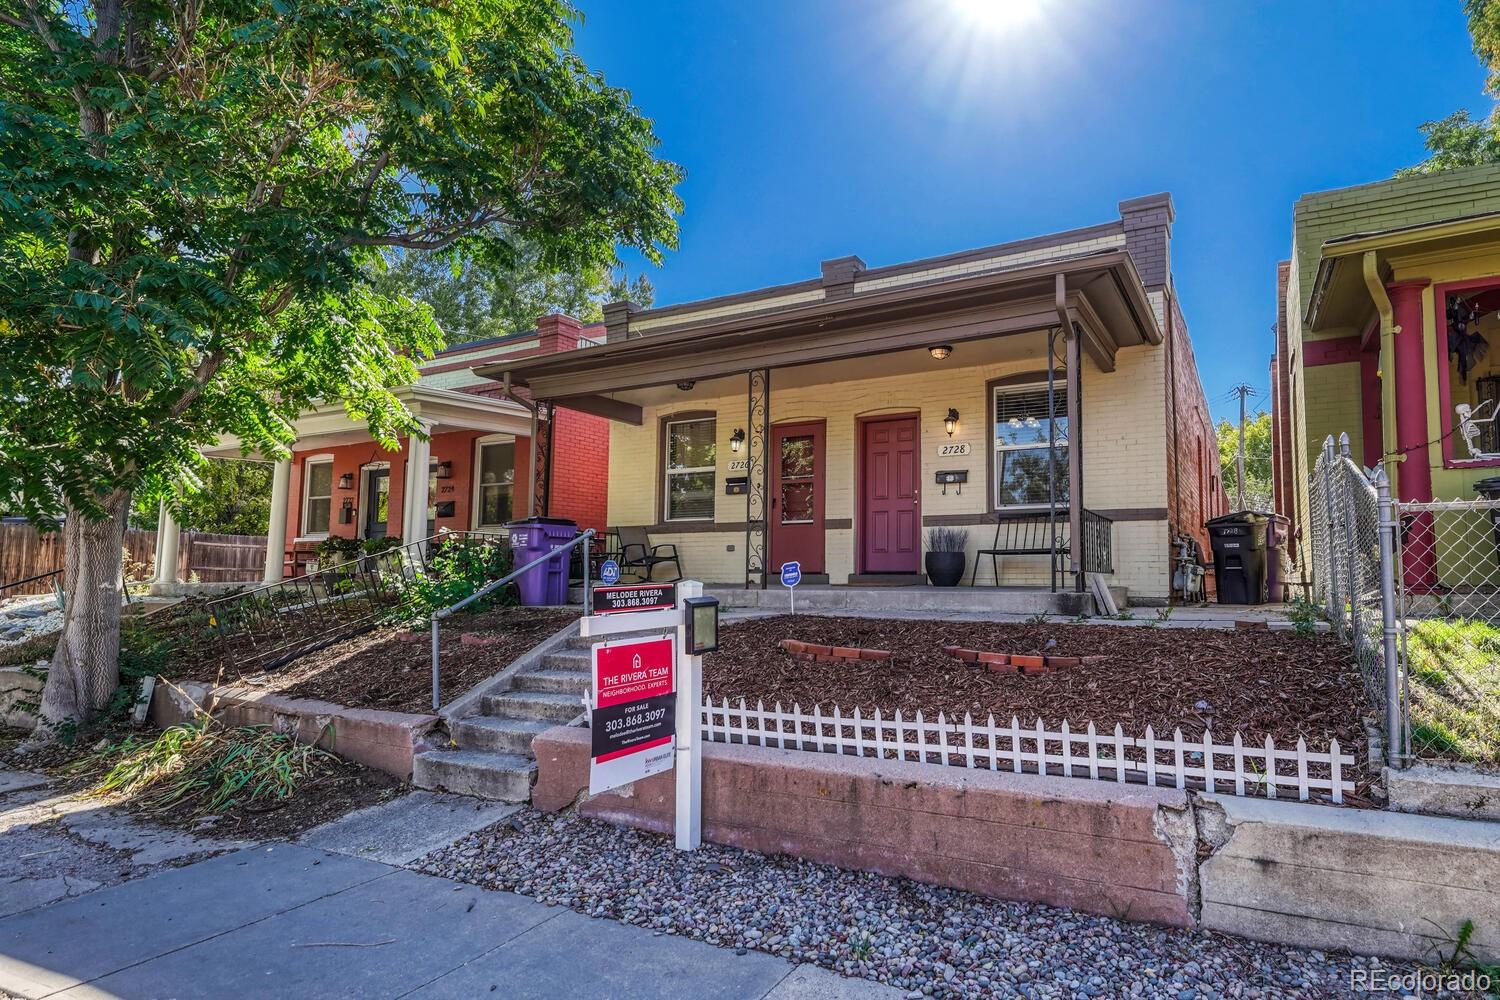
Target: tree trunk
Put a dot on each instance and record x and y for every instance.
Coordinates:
(85, 669)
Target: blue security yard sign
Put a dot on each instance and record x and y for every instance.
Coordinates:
(609, 573)
(791, 575)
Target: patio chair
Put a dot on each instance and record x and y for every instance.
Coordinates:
(640, 558)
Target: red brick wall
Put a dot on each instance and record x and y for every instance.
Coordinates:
(1194, 492)
(580, 468)
(457, 447)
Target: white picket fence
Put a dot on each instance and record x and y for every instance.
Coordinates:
(1203, 764)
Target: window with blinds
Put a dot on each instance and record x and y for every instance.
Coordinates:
(1024, 473)
(690, 470)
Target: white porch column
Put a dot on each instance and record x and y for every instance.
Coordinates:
(168, 535)
(281, 481)
(414, 502)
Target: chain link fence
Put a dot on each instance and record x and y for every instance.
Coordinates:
(1415, 589)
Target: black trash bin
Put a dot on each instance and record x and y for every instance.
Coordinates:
(1239, 544)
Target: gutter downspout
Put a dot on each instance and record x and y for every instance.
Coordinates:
(530, 408)
(1370, 267)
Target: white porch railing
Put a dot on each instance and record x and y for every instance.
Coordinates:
(1181, 762)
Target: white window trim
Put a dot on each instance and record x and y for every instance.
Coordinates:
(475, 486)
(668, 472)
(996, 448)
(362, 485)
(307, 463)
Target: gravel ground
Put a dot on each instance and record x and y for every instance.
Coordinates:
(15, 628)
(928, 941)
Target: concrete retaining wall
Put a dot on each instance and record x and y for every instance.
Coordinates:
(386, 741)
(1124, 851)
(1373, 882)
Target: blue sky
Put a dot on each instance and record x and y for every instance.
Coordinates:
(898, 129)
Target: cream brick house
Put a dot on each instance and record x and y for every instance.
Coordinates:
(833, 420)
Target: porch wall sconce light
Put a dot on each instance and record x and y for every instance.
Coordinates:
(686, 385)
(940, 352)
(950, 422)
(346, 481)
(737, 439)
(445, 470)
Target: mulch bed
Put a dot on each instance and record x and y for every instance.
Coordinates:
(345, 787)
(342, 787)
(1256, 682)
(391, 668)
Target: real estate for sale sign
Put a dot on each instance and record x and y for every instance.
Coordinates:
(634, 720)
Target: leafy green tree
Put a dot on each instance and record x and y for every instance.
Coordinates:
(1458, 140)
(471, 300)
(233, 498)
(194, 199)
(1258, 493)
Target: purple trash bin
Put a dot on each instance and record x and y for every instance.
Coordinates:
(546, 584)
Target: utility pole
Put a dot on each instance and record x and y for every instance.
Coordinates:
(1243, 390)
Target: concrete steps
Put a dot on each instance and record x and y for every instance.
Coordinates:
(486, 774)
(573, 682)
(494, 758)
(492, 732)
(540, 705)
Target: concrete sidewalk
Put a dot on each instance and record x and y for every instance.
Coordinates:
(285, 920)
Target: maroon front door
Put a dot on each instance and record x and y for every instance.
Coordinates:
(797, 496)
(890, 496)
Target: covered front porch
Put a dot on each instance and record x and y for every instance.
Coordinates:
(848, 434)
(340, 483)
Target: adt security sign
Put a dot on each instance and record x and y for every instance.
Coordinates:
(791, 575)
(610, 572)
(633, 726)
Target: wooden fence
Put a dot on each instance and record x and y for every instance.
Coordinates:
(210, 558)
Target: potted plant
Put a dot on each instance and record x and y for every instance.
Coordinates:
(945, 556)
(334, 551)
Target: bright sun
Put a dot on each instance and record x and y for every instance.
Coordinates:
(997, 16)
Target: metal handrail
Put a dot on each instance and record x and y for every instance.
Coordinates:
(493, 585)
(280, 621)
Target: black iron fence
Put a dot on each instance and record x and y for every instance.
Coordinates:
(271, 625)
(1098, 543)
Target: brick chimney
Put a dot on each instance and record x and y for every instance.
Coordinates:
(558, 332)
(1148, 236)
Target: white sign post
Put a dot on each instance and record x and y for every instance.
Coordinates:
(688, 684)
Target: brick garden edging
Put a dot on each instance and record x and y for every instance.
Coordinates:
(814, 653)
(1011, 663)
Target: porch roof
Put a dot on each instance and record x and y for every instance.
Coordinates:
(329, 425)
(1341, 297)
(1101, 291)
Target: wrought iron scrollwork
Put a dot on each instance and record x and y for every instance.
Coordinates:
(757, 538)
(541, 476)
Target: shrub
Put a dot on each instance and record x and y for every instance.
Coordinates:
(207, 766)
(335, 549)
(455, 571)
(947, 539)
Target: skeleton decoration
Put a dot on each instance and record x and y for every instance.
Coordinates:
(1469, 420)
(1465, 342)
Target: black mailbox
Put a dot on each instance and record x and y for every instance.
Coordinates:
(737, 486)
(445, 508)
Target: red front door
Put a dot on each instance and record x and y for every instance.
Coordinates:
(797, 496)
(890, 496)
